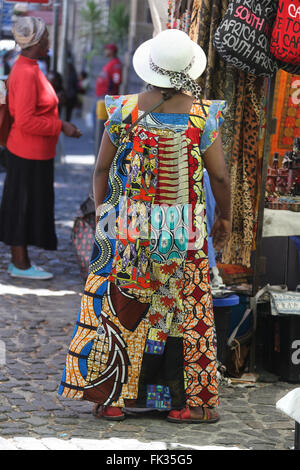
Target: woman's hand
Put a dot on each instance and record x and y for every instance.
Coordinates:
(220, 232)
(70, 130)
(220, 184)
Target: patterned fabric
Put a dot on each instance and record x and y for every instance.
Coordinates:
(212, 81)
(195, 20)
(145, 331)
(179, 14)
(219, 79)
(200, 365)
(244, 171)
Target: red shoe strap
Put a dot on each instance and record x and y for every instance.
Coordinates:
(112, 411)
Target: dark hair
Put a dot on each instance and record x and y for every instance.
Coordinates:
(167, 93)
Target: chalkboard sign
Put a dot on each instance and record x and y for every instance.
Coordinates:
(285, 41)
(243, 37)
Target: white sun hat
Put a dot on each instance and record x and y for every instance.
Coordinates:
(169, 57)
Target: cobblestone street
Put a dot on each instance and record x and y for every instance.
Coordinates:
(36, 323)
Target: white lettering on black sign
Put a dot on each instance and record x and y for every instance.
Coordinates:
(243, 37)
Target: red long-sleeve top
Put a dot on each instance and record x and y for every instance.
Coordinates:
(33, 105)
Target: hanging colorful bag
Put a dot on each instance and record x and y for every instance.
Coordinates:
(5, 117)
(83, 234)
(243, 37)
(285, 40)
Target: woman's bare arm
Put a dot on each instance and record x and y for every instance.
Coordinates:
(105, 158)
(220, 184)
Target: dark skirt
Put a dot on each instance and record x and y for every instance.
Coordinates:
(27, 206)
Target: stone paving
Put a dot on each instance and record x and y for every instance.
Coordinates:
(36, 323)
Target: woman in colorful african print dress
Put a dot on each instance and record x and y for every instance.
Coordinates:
(145, 333)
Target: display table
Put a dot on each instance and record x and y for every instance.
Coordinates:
(222, 310)
(281, 223)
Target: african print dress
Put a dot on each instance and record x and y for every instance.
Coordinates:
(145, 333)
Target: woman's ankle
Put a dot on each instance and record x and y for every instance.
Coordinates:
(21, 265)
(19, 257)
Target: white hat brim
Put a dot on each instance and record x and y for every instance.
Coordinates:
(141, 65)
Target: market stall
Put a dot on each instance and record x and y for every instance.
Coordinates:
(254, 64)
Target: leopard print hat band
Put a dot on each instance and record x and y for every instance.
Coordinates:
(179, 80)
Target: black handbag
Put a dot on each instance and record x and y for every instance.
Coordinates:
(243, 37)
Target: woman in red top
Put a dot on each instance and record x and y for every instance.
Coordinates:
(27, 207)
(110, 78)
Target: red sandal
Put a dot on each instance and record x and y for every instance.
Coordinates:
(184, 416)
(110, 413)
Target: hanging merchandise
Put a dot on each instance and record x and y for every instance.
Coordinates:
(172, 10)
(220, 78)
(243, 37)
(244, 170)
(179, 14)
(285, 40)
(242, 131)
(212, 81)
(83, 235)
(195, 20)
(286, 111)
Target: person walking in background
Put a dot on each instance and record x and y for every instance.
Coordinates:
(110, 78)
(83, 82)
(27, 206)
(71, 89)
(83, 87)
(145, 334)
